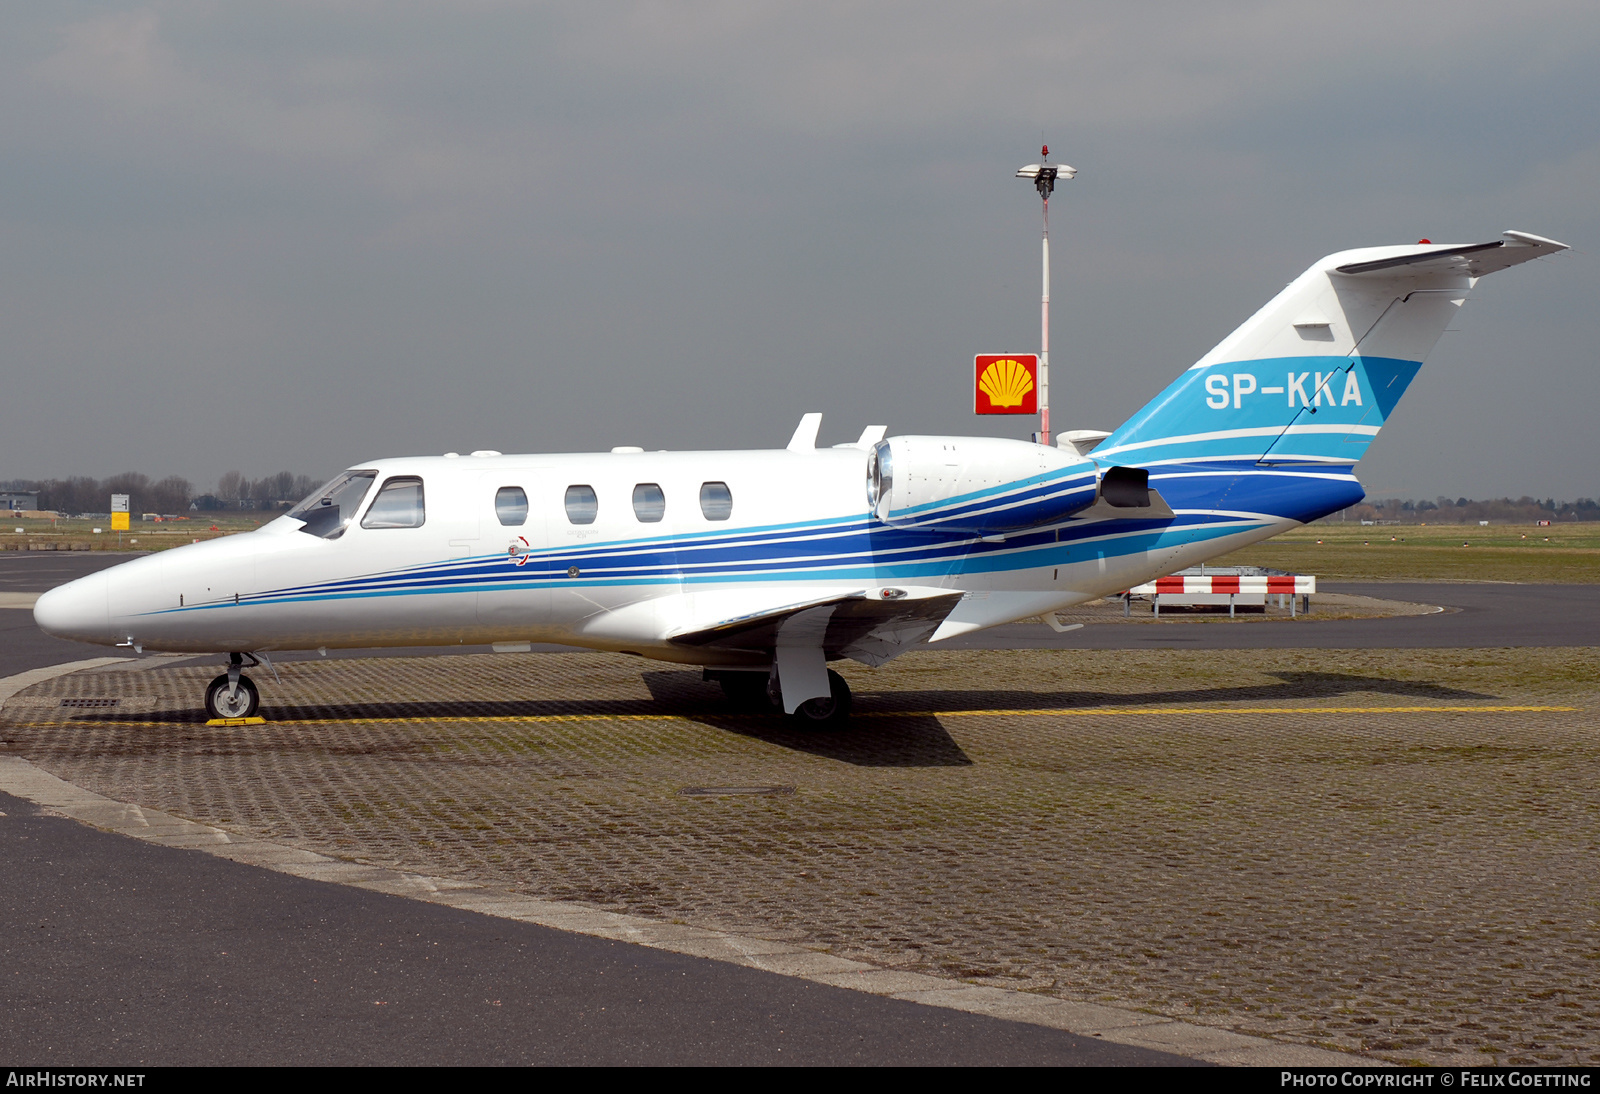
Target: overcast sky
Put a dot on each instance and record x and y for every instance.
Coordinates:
(266, 236)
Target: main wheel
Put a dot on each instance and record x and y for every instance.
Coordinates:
(242, 704)
(831, 712)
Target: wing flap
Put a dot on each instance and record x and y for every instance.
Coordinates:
(758, 629)
(867, 628)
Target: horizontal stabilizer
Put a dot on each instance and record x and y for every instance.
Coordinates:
(1472, 259)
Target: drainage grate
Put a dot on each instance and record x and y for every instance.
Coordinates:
(81, 704)
(726, 791)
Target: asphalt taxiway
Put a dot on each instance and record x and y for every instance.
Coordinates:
(117, 952)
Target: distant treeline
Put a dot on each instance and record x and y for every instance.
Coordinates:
(279, 491)
(1523, 510)
(172, 495)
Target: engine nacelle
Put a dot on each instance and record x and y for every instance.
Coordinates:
(980, 485)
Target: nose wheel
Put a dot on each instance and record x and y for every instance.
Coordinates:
(227, 699)
(233, 694)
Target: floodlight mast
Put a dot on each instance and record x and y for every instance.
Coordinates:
(1044, 175)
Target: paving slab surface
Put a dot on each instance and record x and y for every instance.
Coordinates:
(1390, 852)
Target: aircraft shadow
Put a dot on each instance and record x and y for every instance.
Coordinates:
(1293, 686)
(909, 741)
(912, 741)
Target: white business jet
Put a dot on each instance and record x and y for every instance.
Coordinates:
(763, 566)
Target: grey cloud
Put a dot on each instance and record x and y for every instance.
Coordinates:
(303, 235)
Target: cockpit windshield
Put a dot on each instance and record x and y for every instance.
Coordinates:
(327, 512)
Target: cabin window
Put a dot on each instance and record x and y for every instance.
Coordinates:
(649, 503)
(327, 512)
(511, 506)
(582, 505)
(398, 505)
(716, 500)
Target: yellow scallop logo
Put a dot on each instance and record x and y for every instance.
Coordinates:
(1006, 383)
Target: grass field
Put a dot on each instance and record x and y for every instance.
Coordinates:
(1569, 554)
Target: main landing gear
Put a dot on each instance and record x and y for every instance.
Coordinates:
(758, 691)
(233, 694)
(829, 712)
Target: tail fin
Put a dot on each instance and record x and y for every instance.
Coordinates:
(1312, 376)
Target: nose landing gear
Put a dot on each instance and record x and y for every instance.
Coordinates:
(233, 694)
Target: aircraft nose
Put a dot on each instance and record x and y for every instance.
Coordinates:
(78, 610)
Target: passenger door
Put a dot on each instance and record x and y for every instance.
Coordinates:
(459, 511)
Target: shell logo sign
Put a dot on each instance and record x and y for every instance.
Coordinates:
(1006, 383)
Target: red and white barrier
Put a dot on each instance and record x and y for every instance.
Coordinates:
(1272, 584)
(1191, 590)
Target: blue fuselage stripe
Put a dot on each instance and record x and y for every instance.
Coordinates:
(1210, 501)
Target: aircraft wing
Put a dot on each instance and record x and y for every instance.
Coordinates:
(866, 628)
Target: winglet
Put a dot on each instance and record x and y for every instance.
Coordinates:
(805, 434)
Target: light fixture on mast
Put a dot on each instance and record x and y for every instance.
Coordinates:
(1044, 176)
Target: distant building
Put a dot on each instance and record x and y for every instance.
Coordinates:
(14, 501)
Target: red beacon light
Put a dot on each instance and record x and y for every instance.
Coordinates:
(1420, 242)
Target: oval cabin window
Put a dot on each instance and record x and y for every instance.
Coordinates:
(511, 506)
(649, 503)
(582, 504)
(716, 500)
